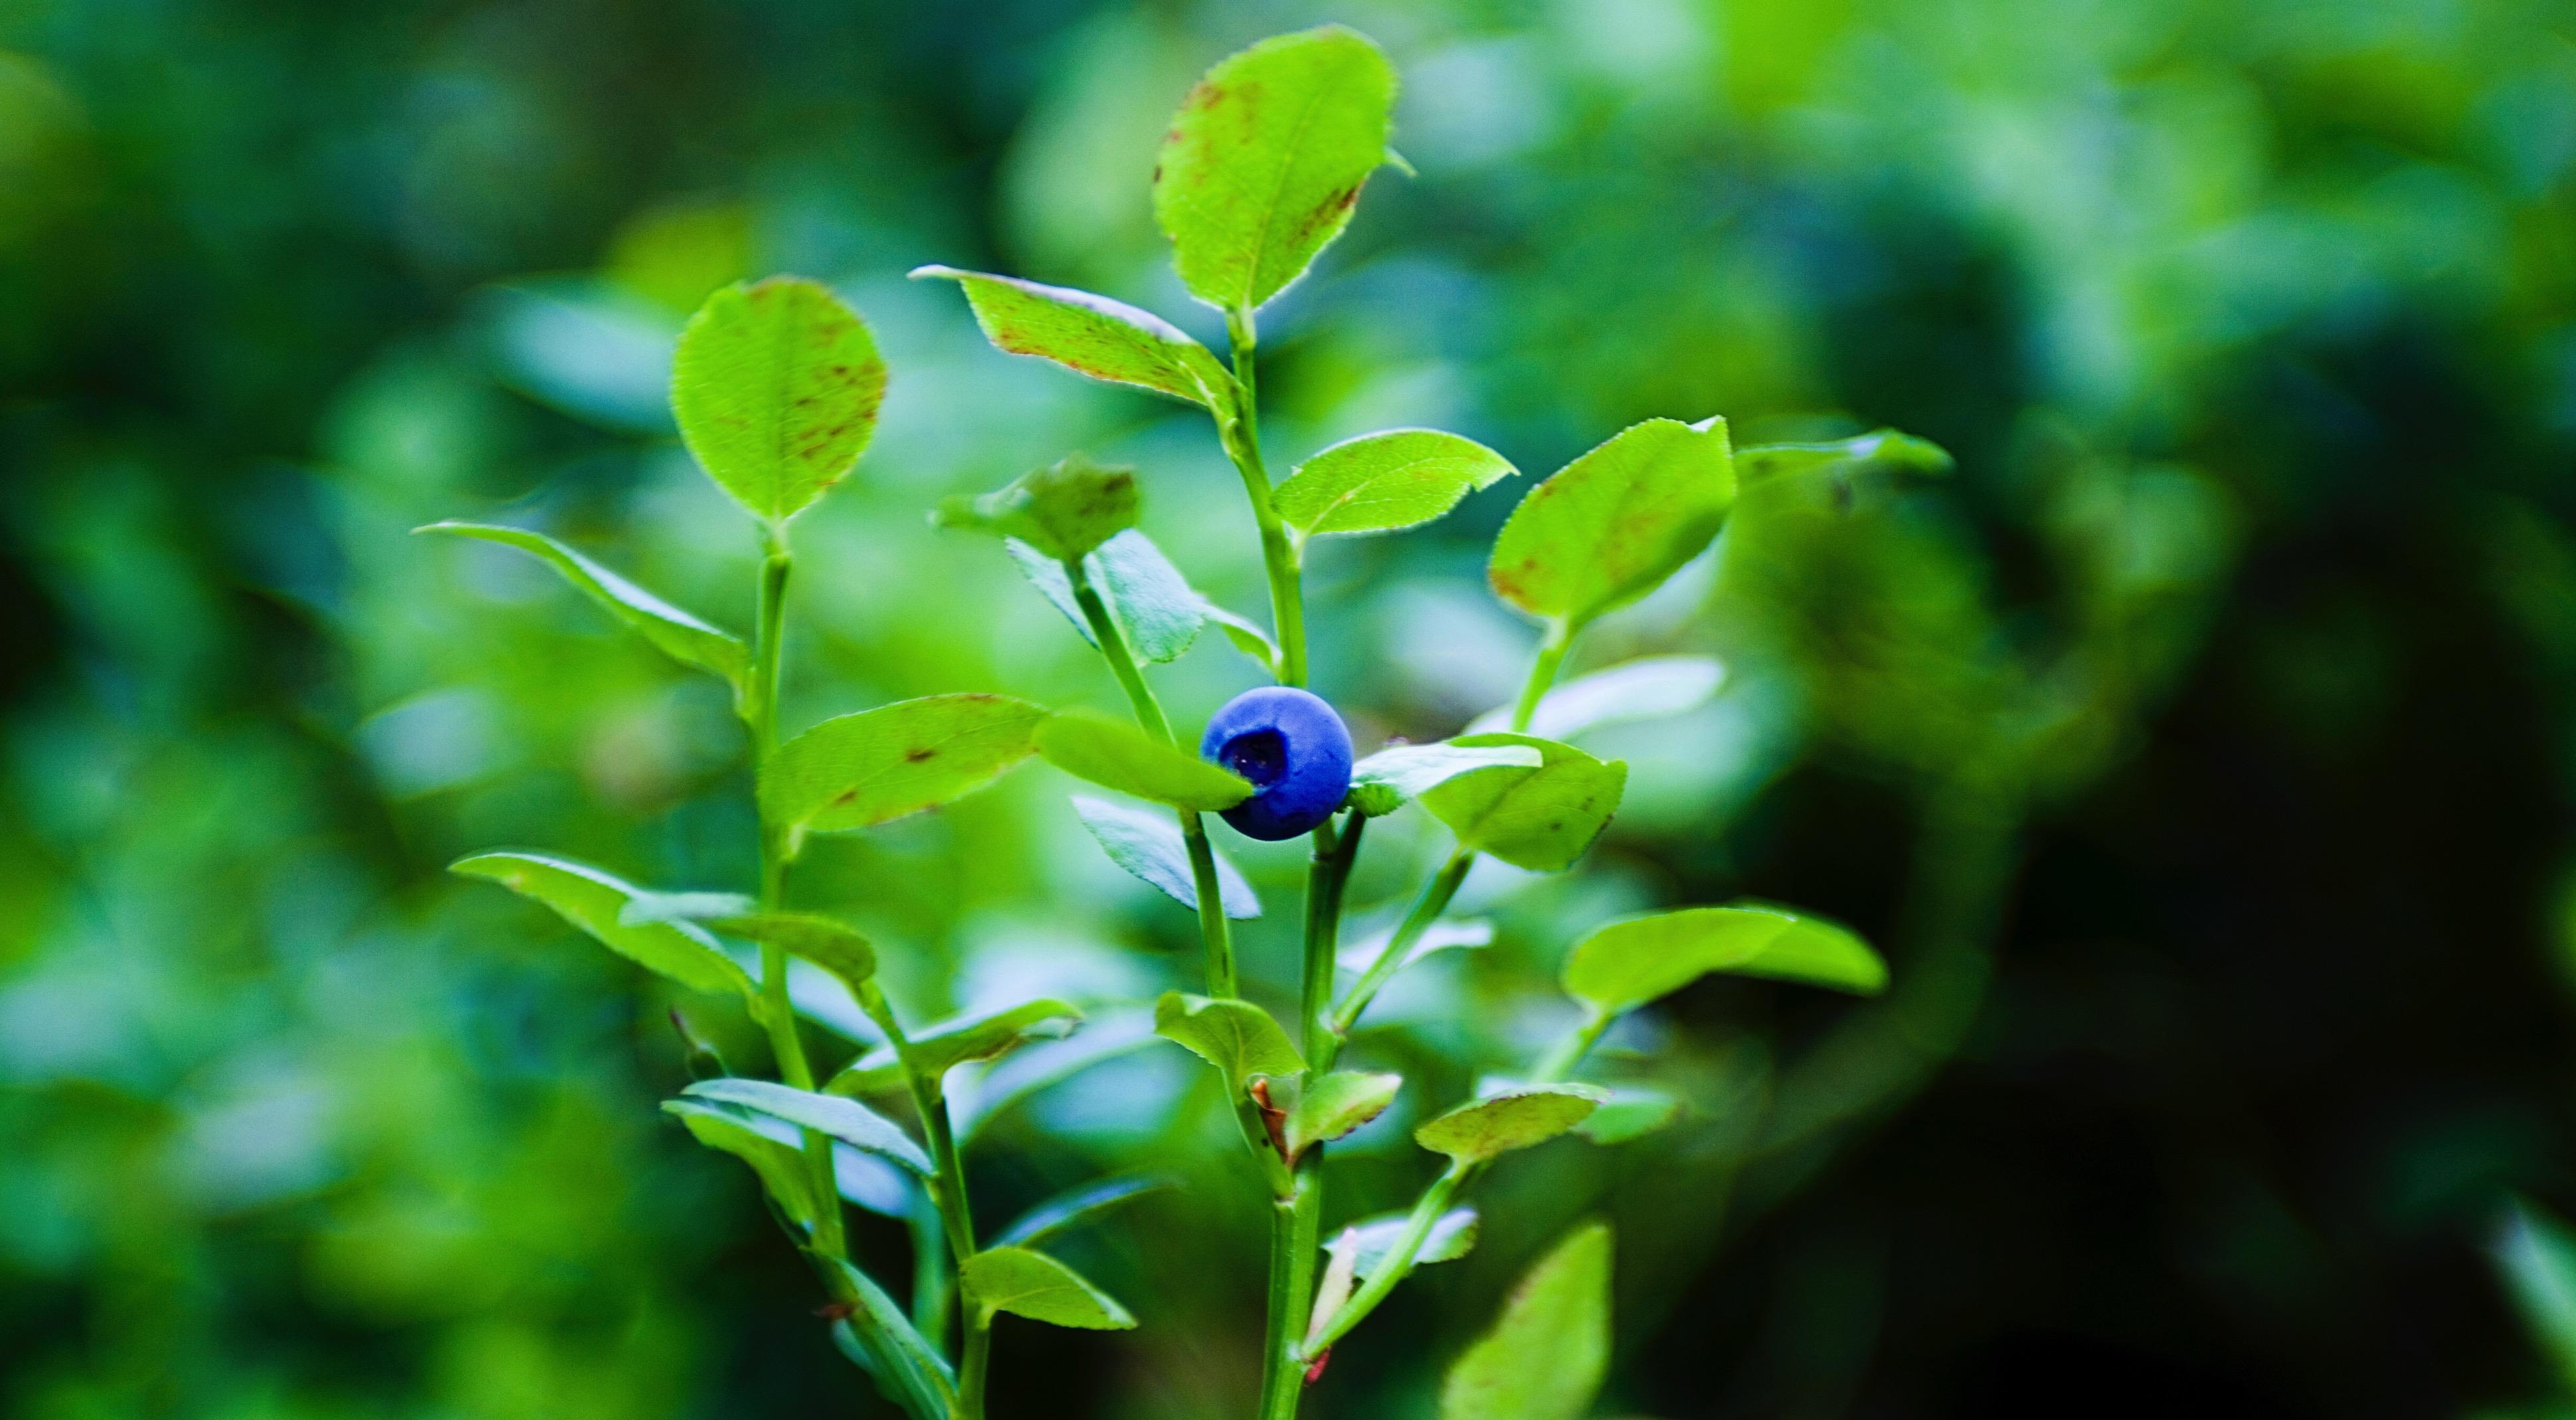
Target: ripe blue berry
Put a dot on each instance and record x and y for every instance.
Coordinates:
(1295, 751)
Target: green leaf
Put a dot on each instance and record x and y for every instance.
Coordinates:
(1326, 1107)
(673, 632)
(1237, 1037)
(1117, 755)
(1541, 819)
(881, 1339)
(1157, 611)
(847, 1120)
(2538, 1258)
(1079, 1206)
(776, 386)
(1629, 1114)
(1889, 448)
(941, 1048)
(1246, 634)
(1093, 335)
(595, 901)
(1628, 963)
(1063, 510)
(1514, 1118)
(838, 949)
(1266, 159)
(857, 771)
(1611, 526)
(781, 1166)
(1150, 846)
(1440, 936)
(1451, 1237)
(1398, 774)
(1036, 1286)
(1547, 1353)
(1648, 688)
(1155, 605)
(1381, 482)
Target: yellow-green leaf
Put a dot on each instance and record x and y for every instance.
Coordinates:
(1628, 963)
(1092, 335)
(1547, 1353)
(1611, 526)
(673, 632)
(776, 386)
(1117, 755)
(1237, 1037)
(1541, 819)
(1036, 1286)
(595, 900)
(1381, 482)
(857, 771)
(1510, 1119)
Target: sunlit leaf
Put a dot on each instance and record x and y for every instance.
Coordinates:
(1237, 1037)
(1611, 526)
(1036, 1286)
(1266, 159)
(675, 633)
(938, 1049)
(1628, 963)
(857, 771)
(1648, 688)
(844, 1119)
(1326, 1107)
(1079, 1206)
(1541, 819)
(1381, 482)
(1156, 608)
(1629, 1114)
(1063, 510)
(1149, 845)
(1092, 335)
(595, 900)
(776, 386)
(1440, 936)
(1510, 1119)
(1547, 1353)
(1116, 754)
(1394, 776)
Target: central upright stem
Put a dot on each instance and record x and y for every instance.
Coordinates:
(1241, 436)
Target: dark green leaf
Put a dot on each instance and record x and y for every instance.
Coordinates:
(941, 1048)
(1326, 1107)
(1511, 1119)
(673, 632)
(1629, 1114)
(1611, 526)
(1149, 845)
(1116, 754)
(1093, 335)
(1063, 510)
(1541, 819)
(595, 901)
(1036, 1286)
(837, 949)
(1628, 963)
(877, 1336)
(1081, 1205)
(847, 1120)
(776, 386)
(1547, 1352)
(857, 771)
(1266, 159)
(1398, 774)
(780, 1166)
(1649, 688)
(1237, 1037)
(1381, 482)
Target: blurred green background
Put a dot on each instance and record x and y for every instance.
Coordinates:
(2201, 752)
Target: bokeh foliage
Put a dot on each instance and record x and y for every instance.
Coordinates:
(2198, 749)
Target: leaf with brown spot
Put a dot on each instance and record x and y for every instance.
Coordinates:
(861, 770)
(1609, 527)
(776, 387)
(1541, 819)
(1092, 335)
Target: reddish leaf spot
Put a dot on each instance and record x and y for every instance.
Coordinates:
(918, 755)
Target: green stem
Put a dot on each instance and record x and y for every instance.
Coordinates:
(784, 1043)
(1427, 908)
(973, 1365)
(1214, 931)
(948, 1180)
(1327, 878)
(1241, 436)
(1551, 656)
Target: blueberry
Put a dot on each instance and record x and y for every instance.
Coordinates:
(1295, 751)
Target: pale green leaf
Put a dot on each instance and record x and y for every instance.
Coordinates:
(595, 901)
(1036, 1286)
(1440, 936)
(1611, 526)
(1247, 636)
(673, 632)
(844, 1119)
(781, 1166)
(1381, 482)
(1154, 604)
(1394, 776)
(1546, 1355)
(836, 948)
(1079, 1206)
(1541, 819)
(1116, 754)
(857, 771)
(1266, 159)
(1149, 845)
(1093, 335)
(877, 1335)
(1452, 1236)
(2537, 1255)
(776, 386)
(1509, 1119)
(1628, 1114)
(1326, 1107)
(1648, 688)
(1237, 1037)
(938, 1049)
(1063, 510)
(1628, 963)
